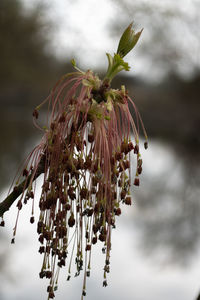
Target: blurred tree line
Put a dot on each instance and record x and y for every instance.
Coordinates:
(170, 40)
(27, 73)
(169, 106)
(26, 66)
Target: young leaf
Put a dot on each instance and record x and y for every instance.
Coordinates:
(128, 41)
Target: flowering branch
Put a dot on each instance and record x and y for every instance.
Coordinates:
(85, 158)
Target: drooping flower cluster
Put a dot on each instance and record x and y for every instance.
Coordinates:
(85, 153)
(84, 156)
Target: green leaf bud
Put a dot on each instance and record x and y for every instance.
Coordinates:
(128, 40)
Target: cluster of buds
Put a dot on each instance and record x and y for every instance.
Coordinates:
(85, 155)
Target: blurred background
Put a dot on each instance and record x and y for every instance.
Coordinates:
(156, 247)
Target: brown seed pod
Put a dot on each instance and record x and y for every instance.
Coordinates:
(88, 247)
(117, 211)
(94, 240)
(123, 194)
(71, 221)
(102, 237)
(128, 201)
(90, 138)
(32, 220)
(137, 181)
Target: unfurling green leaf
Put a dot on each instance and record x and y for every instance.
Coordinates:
(128, 40)
(116, 63)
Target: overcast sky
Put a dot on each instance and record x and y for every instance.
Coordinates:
(82, 30)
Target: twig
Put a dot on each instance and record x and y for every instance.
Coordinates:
(18, 190)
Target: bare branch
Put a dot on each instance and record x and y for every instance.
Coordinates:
(18, 190)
